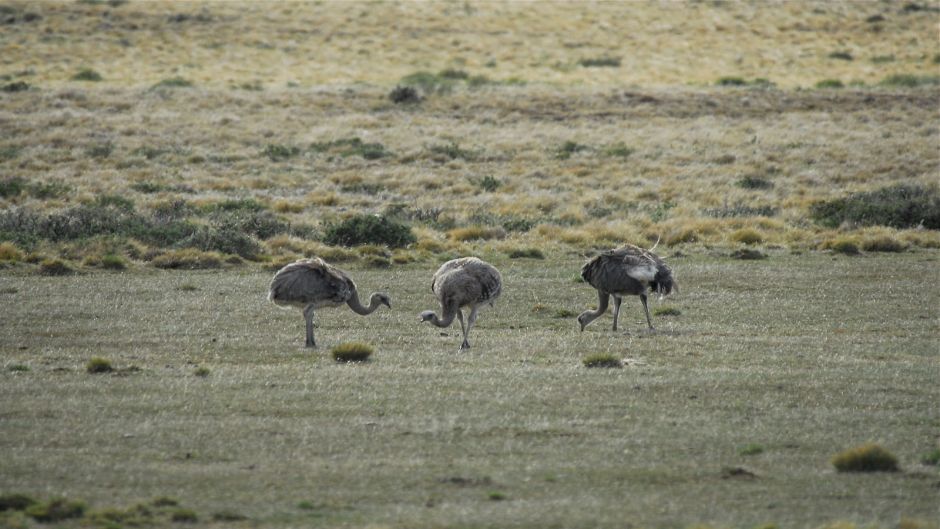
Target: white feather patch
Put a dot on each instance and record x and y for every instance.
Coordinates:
(645, 273)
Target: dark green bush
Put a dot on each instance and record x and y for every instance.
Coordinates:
(731, 81)
(16, 86)
(352, 352)
(841, 55)
(404, 95)
(223, 239)
(354, 146)
(600, 62)
(99, 365)
(899, 206)
(101, 150)
(55, 510)
(741, 210)
(866, 458)
(55, 267)
(368, 229)
(87, 74)
(15, 502)
(754, 182)
(910, 80)
(173, 82)
(453, 151)
(602, 360)
(830, 83)
(568, 148)
(278, 152)
(488, 183)
(12, 187)
(527, 253)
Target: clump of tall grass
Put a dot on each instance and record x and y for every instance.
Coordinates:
(865, 458)
(608, 360)
(476, 233)
(87, 74)
(352, 352)
(98, 365)
(187, 259)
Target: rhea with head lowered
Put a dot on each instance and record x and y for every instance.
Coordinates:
(310, 284)
(625, 271)
(463, 283)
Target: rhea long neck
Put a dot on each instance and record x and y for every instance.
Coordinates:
(357, 307)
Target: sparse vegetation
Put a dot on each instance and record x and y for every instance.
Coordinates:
(87, 74)
(830, 83)
(202, 372)
(404, 95)
(752, 449)
(55, 267)
(15, 502)
(98, 365)
(173, 82)
(747, 236)
(666, 311)
(352, 352)
(910, 80)
(55, 510)
(600, 62)
(931, 458)
(754, 182)
(865, 458)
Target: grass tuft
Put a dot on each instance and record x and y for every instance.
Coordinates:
(352, 352)
(202, 372)
(600, 62)
(754, 182)
(496, 496)
(748, 254)
(931, 458)
(607, 360)
(9, 252)
(404, 95)
(188, 259)
(843, 245)
(17, 368)
(525, 253)
(830, 83)
(173, 82)
(747, 236)
(184, 516)
(98, 365)
(164, 501)
(910, 80)
(751, 449)
(883, 243)
(865, 458)
(55, 267)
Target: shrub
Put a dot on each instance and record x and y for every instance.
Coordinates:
(201, 372)
(15, 502)
(747, 236)
(430, 83)
(188, 259)
(602, 360)
(910, 80)
(368, 229)
(898, 206)
(453, 151)
(404, 95)
(16, 86)
(87, 74)
(741, 210)
(865, 458)
(55, 510)
(564, 313)
(496, 496)
(9, 153)
(751, 450)
(731, 81)
(666, 311)
(113, 262)
(754, 182)
(354, 146)
(352, 352)
(618, 150)
(224, 239)
(527, 253)
(98, 365)
(12, 187)
(278, 152)
(600, 62)
(568, 148)
(173, 82)
(15, 368)
(488, 183)
(930, 458)
(883, 243)
(164, 501)
(748, 254)
(841, 55)
(184, 516)
(54, 267)
(228, 516)
(843, 245)
(9, 252)
(101, 150)
(830, 83)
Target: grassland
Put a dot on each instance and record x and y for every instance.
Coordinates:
(145, 136)
(801, 355)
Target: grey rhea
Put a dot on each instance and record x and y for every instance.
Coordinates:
(310, 284)
(462, 283)
(625, 271)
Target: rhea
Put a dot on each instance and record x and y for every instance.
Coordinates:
(311, 284)
(465, 283)
(625, 271)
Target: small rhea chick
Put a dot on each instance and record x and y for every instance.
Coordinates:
(462, 283)
(625, 271)
(310, 284)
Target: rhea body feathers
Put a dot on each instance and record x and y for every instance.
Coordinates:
(625, 271)
(310, 284)
(465, 283)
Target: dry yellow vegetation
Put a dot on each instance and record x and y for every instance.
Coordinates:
(557, 123)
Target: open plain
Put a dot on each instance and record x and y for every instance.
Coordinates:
(160, 160)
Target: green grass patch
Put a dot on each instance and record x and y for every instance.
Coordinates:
(931, 458)
(184, 516)
(754, 182)
(496, 496)
(910, 80)
(525, 253)
(567, 149)
(173, 82)
(752, 449)
(276, 152)
(600, 62)
(15, 502)
(866, 458)
(188, 259)
(830, 83)
(666, 311)
(55, 267)
(747, 236)
(55, 510)
(352, 352)
(607, 360)
(354, 146)
(202, 372)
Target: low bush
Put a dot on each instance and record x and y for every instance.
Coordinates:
(98, 365)
(666, 311)
(352, 352)
(565, 150)
(55, 510)
(184, 516)
(476, 233)
(489, 183)
(368, 229)
(526, 253)
(830, 83)
(751, 450)
(276, 152)
(883, 243)
(602, 360)
(865, 458)
(899, 206)
(354, 146)
(87, 74)
(747, 236)
(9, 252)
(841, 55)
(173, 82)
(931, 458)
(618, 150)
(201, 372)
(910, 80)
(113, 262)
(188, 259)
(843, 245)
(404, 95)
(748, 254)
(452, 151)
(55, 267)
(600, 62)
(15, 502)
(754, 182)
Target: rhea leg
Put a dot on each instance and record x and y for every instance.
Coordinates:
(465, 344)
(617, 301)
(647, 309)
(471, 320)
(308, 319)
